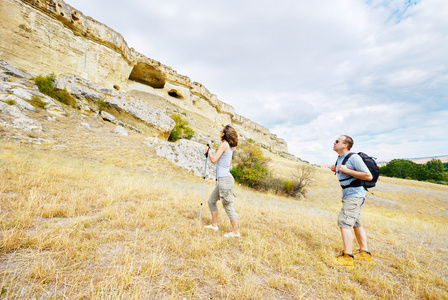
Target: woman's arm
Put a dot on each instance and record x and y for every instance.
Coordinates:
(221, 149)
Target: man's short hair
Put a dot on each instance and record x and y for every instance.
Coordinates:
(349, 141)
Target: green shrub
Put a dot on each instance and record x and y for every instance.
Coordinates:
(46, 86)
(287, 184)
(11, 102)
(101, 103)
(180, 130)
(251, 169)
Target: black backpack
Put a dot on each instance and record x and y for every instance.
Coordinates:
(373, 168)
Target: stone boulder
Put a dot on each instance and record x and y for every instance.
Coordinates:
(120, 130)
(188, 155)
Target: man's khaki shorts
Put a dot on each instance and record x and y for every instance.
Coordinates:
(350, 214)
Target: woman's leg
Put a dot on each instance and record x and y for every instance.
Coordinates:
(214, 218)
(235, 227)
(226, 195)
(213, 207)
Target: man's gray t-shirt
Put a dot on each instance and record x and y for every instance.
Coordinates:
(356, 163)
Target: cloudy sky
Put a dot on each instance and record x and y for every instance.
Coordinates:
(376, 70)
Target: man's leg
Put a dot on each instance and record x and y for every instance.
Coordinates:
(361, 237)
(347, 240)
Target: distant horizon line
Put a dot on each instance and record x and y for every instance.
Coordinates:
(414, 158)
(386, 161)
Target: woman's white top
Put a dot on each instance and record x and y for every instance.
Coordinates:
(223, 164)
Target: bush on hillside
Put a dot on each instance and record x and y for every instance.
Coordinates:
(180, 130)
(300, 179)
(252, 170)
(46, 86)
(251, 167)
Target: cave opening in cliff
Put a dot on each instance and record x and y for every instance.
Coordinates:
(174, 94)
(148, 75)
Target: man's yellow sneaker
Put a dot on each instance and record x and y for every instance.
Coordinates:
(363, 255)
(345, 259)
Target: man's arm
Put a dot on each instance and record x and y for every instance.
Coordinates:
(357, 174)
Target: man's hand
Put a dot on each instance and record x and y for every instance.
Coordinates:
(333, 168)
(343, 169)
(357, 174)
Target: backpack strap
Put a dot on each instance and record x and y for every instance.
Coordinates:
(355, 183)
(347, 157)
(344, 161)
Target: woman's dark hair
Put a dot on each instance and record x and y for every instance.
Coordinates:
(230, 136)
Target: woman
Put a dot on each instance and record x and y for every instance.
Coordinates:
(223, 191)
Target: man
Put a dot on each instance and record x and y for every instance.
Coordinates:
(353, 197)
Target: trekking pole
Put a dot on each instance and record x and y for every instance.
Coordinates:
(203, 182)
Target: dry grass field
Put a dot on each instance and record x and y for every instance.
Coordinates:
(92, 215)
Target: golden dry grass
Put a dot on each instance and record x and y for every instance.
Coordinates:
(90, 215)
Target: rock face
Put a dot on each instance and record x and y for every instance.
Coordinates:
(188, 155)
(119, 108)
(17, 97)
(47, 36)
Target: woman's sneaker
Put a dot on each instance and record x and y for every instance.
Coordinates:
(345, 259)
(211, 227)
(363, 255)
(231, 234)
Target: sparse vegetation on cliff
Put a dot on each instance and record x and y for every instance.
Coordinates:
(101, 104)
(46, 86)
(36, 101)
(11, 102)
(181, 129)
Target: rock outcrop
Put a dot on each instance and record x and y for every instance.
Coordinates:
(17, 97)
(50, 36)
(119, 108)
(188, 155)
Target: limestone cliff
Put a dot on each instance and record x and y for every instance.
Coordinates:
(45, 36)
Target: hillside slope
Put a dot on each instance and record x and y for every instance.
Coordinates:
(89, 214)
